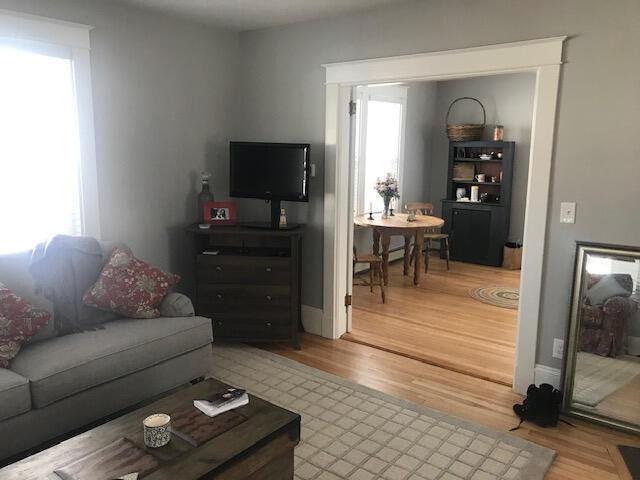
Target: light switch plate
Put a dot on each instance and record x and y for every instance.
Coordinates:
(568, 212)
(313, 170)
(558, 348)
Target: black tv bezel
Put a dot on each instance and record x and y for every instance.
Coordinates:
(286, 198)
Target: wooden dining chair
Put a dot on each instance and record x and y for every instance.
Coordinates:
(430, 234)
(375, 269)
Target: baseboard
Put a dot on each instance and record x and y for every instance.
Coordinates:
(312, 319)
(544, 374)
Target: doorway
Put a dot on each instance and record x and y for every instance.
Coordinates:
(543, 57)
(463, 314)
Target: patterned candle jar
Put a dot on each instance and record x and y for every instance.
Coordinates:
(157, 430)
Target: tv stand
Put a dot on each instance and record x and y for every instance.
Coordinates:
(251, 286)
(268, 226)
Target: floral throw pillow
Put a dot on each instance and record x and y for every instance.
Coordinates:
(19, 321)
(129, 286)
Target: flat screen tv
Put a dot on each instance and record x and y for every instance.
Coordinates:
(270, 171)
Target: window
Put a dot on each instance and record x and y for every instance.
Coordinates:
(379, 142)
(46, 166)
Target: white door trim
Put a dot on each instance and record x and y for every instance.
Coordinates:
(542, 56)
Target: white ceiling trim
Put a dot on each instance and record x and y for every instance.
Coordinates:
(451, 63)
(16, 25)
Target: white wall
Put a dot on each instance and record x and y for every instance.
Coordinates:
(595, 158)
(508, 101)
(163, 93)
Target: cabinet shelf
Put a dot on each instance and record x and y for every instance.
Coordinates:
(474, 182)
(478, 160)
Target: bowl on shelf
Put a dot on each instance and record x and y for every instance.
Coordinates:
(485, 156)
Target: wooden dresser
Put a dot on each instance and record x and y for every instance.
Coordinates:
(251, 287)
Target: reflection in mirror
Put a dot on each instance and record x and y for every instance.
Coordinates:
(602, 378)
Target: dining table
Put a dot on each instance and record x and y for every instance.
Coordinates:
(399, 224)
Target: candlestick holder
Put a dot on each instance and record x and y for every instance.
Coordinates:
(370, 215)
(391, 212)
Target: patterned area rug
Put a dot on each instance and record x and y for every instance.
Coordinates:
(351, 431)
(598, 377)
(504, 297)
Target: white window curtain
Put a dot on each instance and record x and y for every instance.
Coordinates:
(47, 167)
(39, 149)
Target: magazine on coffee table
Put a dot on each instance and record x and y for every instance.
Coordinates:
(223, 402)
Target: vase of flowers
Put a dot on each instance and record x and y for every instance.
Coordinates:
(387, 188)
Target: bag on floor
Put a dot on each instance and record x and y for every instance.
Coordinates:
(542, 406)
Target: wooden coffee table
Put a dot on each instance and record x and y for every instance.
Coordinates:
(254, 442)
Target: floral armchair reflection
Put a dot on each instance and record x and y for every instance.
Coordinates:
(606, 312)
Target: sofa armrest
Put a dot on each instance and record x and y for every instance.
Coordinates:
(176, 305)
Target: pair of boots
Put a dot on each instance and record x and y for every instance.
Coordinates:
(542, 406)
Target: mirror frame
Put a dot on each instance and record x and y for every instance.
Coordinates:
(568, 374)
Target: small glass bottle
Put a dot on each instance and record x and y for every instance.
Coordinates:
(498, 133)
(283, 218)
(204, 196)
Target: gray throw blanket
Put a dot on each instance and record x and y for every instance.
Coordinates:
(63, 269)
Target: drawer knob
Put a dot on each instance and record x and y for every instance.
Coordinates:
(219, 296)
(219, 323)
(268, 269)
(218, 268)
(268, 324)
(269, 297)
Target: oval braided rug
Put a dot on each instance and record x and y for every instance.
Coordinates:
(504, 297)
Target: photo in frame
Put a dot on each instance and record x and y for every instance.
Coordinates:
(220, 213)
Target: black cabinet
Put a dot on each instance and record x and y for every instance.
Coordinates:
(478, 230)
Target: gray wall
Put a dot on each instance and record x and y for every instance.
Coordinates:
(162, 95)
(282, 97)
(508, 101)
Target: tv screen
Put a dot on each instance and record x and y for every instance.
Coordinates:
(271, 171)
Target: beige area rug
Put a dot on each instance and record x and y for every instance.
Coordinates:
(353, 432)
(504, 297)
(598, 377)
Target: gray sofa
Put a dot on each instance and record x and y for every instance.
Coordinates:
(59, 383)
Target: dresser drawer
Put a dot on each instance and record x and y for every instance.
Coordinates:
(243, 270)
(257, 329)
(238, 295)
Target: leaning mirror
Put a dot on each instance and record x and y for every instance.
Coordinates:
(602, 370)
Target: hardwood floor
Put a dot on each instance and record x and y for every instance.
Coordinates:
(438, 322)
(583, 451)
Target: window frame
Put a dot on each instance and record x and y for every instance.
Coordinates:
(74, 38)
(383, 93)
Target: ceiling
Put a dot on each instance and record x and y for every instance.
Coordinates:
(253, 14)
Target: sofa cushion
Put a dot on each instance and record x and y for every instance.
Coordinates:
(14, 394)
(19, 321)
(606, 288)
(14, 273)
(72, 363)
(176, 305)
(129, 286)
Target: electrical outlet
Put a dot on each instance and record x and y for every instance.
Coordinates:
(568, 212)
(558, 348)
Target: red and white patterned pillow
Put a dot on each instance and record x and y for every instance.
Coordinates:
(129, 286)
(19, 321)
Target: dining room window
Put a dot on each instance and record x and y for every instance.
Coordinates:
(379, 146)
(46, 151)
